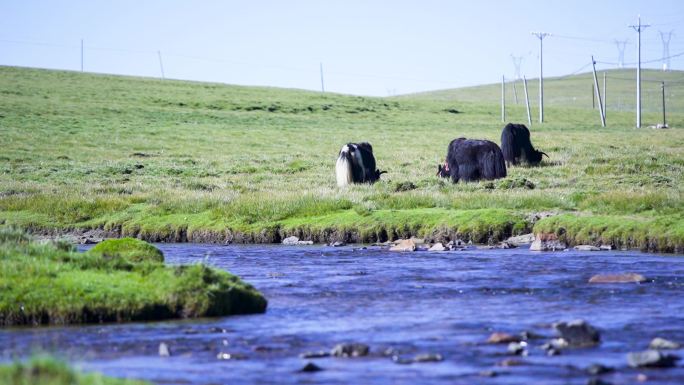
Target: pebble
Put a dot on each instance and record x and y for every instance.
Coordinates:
(617, 278)
(502, 338)
(651, 359)
(661, 343)
(164, 350)
(518, 348)
(319, 354)
(350, 350)
(310, 367)
(438, 247)
(587, 248)
(578, 333)
(596, 369)
(404, 245)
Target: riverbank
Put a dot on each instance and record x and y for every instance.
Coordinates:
(180, 161)
(45, 370)
(116, 281)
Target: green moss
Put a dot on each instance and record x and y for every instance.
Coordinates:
(128, 249)
(43, 284)
(664, 233)
(46, 370)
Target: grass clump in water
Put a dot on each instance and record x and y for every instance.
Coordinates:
(128, 249)
(45, 370)
(45, 284)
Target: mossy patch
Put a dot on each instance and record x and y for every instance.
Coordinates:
(46, 370)
(128, 249)
(43, 284)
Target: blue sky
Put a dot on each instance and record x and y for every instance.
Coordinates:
(366, 47)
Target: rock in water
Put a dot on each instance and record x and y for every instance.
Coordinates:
(524, 239)
(438, 247)
(662, 344)
(586, 248)
(502, 338)
(164, 350)
(597, 369)
(618, 278)
(319, 354)
(428, 357)
(578, 333)
(404, 245)
(310, 367)
(651, 359)
(547, 242)
(350, 350)
(518, 348)
(290, 241)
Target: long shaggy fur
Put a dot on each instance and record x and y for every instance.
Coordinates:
(356, 164)
(517, 147)
(472, 160)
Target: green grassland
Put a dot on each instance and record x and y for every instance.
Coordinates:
(46, 370)
(184, 161)
(118, 280)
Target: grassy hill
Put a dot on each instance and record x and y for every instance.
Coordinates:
(173, 160)
(576, 92)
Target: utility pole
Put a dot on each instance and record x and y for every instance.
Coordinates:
(527, 102)
(638, 27)
(621, 44)
(322, 83)
(593, 97)
(161, 64)
(662, 87)
(503, 99)
(81, 55)
(604, 93)
(666, 49)
(541, 36)
(598, 93)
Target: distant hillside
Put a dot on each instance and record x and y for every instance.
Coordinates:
(576, 91)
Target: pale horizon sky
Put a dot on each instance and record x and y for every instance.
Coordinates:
(374, 48)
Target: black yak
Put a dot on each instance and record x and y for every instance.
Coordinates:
(472, 160)
(356, 164)
(517, 147)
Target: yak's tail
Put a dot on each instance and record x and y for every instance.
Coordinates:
(343, 168)
(494, 166)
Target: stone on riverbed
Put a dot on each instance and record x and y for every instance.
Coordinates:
(318, 354)
(587, 248)
(350, 350)
(310, 367)
(578, 333)
(294, 241)
(519, 240)
(438, 247)
(518, 348)
(597, 369)
(663, 344)
(502, 338)
(651, 359)
(547, 242)
(617, 278)
(404, 245)
(164, 350)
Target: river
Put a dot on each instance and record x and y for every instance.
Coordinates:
(399, 304)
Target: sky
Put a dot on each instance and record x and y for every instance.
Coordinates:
(375, 48)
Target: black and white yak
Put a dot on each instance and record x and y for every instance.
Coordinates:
(471, 160)
(356, 164)
(517, 147)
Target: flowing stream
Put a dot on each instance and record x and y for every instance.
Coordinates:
(399, 304)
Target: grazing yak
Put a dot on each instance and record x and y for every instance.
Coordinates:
(516, 145)
(472, 160)
(356, 164)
